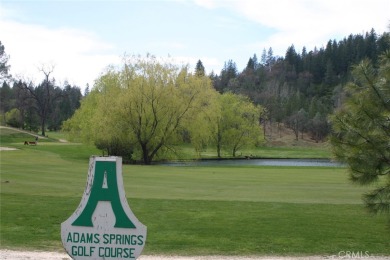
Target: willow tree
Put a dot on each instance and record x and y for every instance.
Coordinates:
(237, 125)
(148, 103)
(361, 131)
(96, 121)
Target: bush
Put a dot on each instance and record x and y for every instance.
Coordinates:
(14, 118)
(116, 147)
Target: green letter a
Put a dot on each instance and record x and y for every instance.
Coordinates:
(104, 188)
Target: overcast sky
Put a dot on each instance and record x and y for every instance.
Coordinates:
(81, 38)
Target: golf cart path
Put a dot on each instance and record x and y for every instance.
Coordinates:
(39, 255)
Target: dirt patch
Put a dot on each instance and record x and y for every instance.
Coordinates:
(7, 148)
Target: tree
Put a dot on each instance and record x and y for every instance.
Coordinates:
(86, 90)
(147, 103)
(44, 96)
(250, 66)
(361, 131)
(7, 98)
(263, 58)
(3, 64)
(270, 59)
(302, 118)
(64, 107)
(330, 77)
(199, 69)
(14, 118)
(298, 122)
(238, 124)
(318, 127)
(228, 75)
(26, 105)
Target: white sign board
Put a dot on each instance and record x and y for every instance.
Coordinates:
(103, 226)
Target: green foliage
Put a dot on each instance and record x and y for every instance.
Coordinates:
(80, 127)
(309, 80)
(6, 97)
(306, 80)
(116, 147)
(361, 130)
(238, 124)
(64, 107)
(43, 106)
(147, 104)
(4, 67)
(199, 69)
(14, 118)
(319, 127)
(227, 79)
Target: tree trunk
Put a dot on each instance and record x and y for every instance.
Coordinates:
(219, 140)
(145, 154)
(43, 122)
(296, 129)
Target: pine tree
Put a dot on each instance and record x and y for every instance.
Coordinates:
(4, 67)
(199, 69)
(361, 131)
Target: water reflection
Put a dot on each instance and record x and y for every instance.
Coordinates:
(259, 162)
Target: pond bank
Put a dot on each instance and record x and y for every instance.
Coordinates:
(256, 162)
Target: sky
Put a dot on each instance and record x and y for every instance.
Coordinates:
(79, 39)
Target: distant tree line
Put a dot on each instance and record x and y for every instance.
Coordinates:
(38, 107)
(301, 89)
(35, 107)
(298, 90)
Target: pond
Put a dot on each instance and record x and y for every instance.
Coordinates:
(258, 162)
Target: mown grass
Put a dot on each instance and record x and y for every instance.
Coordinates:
(182, 152)
(200, 227)
(186, 152)
(193, 210)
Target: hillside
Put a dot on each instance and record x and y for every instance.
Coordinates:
(278, 135)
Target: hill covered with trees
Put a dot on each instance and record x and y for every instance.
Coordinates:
(302, 88)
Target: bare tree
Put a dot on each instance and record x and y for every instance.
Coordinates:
(44, 95)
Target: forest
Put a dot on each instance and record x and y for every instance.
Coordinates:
(298, 91)
(301, 89)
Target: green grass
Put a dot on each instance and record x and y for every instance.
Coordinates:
(186, 152)
(56, 135)
(9, 137)
(293, 152)
(12, 138)
(192, 210)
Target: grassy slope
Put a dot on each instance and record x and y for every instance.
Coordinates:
(195, 211)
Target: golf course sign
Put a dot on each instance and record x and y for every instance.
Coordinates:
(103, 226)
